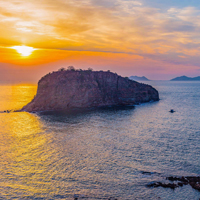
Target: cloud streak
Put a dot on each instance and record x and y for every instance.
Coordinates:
(128, 26)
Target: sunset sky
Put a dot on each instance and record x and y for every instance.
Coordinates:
(155, 38)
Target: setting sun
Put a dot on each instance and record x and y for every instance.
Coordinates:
(23, 50)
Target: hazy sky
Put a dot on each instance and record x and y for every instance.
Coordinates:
(155, 38)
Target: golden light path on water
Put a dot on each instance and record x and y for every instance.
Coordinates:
(29, 160)
(14, 97)
(20, 152)
(98, 154)
(21, 144)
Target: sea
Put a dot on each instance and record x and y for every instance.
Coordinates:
(109, 153)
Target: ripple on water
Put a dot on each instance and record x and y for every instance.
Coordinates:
(104, 153)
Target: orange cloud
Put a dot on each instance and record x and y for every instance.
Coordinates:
(93, 29)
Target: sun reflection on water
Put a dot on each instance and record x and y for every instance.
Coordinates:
(98, 154)
(24, 154)
(14, 97)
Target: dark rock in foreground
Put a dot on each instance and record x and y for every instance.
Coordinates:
(193, 181)
(68, 90)
(164, 185)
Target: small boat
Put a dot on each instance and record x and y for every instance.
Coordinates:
(172, 111)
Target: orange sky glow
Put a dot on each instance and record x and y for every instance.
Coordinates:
(125, 36)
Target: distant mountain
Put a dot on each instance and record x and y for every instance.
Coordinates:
(185, 78)
(139, 78)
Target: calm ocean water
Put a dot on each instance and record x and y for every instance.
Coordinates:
(100, 154)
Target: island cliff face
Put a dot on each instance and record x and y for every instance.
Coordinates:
(67, 90)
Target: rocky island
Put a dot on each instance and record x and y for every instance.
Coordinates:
(139, 78)
(65, 90)
(186, 78)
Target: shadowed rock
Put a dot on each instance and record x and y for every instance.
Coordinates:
(193, 181)
(164, 185)
(68, 90)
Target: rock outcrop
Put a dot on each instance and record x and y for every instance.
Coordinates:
(193, 181)
(67, 90)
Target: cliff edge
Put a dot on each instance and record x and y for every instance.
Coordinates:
(66, 90)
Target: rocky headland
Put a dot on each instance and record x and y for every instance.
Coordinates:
(71, 89)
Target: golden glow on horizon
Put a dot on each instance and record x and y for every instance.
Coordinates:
(10, 93)
(24, 50)
(129, 37)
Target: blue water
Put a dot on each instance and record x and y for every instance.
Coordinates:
(103, 153)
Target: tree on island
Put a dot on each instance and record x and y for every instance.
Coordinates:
(90, 69)
(62, 69)
(71, 68)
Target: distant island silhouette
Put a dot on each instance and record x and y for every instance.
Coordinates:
(186, 78)
(65, 90)
(139, 78)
